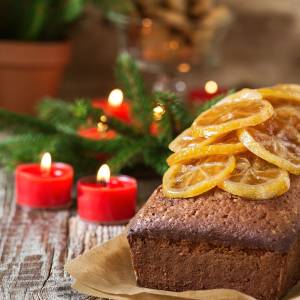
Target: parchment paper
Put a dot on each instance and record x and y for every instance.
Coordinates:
(106, 271)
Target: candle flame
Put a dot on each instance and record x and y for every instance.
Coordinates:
(46, 162)
(103, 174)
(211, 87)
(158, 112)
(115, 97)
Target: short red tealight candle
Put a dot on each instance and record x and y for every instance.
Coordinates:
(115, 106)
(209, 91)
(45, 185)
(93, 133)
(106, 199)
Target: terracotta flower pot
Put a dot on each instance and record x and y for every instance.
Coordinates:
(30, 71)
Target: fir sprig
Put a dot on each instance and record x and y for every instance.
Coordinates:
(17, 123)
(129, 77)
(64, 114)
(182, 117)
(56, 129)
(128, 155)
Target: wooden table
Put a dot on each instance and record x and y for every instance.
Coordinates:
(35, 244)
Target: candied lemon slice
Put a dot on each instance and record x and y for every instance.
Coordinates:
(197, 177)
(282, 94)
(187, 139)
(289, 87)
(256, 179)
(232, 115)
(241, 95)
(228, 144)
(277, 140)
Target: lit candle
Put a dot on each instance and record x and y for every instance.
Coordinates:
(105, 198)
(101, 132)
(211, 87)
(158, 113)
(115, 106)
(209, 91)
(44, 185)
(94, 133)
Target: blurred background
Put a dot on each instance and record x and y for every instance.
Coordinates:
(260, 48)
(68, 49)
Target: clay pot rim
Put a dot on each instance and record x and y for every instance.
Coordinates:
(34, 54)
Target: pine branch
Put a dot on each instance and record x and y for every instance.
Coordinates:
(174, 120)
(130, 78)
(122, 128)
(155, 156)
(17, 123)
(23, 124)
(66, 115)
(19, 148)
(102, 146)
(56, 127)
(127, 156)
(69, 116)
(181, 116)
(166, 132)
(29, 147)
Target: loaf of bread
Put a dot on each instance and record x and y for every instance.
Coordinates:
(218, 240)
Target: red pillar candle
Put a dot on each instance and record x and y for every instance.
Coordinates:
(94, 134)
(105, 199)
(47, 185)
(115, 106)
(209, 91)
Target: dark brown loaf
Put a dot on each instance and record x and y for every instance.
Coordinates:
(218, 240)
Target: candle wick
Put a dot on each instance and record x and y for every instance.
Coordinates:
(103, 182)
(45, 172)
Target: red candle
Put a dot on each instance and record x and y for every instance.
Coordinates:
(94, 134)
(47, 185)
(115, 106)
(209, 91)
(158, 112)
(106, 199)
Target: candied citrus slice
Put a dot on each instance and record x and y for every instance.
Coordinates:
(255, 178)
(289, 87)
(232, 115)
(187, 139)
(228, 144)
(277, 140)
(197, 177)
(241, 95)
(282, 94)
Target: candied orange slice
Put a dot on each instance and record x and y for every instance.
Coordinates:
(255, 178)
(282, 94)
(241, 95)
(289, 87)
(197, 177)
(228, 144)
(231, 115)
(277, 140)
(187, 139)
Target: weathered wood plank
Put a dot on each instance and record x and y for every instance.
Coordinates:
(35, 244)
(83, 236)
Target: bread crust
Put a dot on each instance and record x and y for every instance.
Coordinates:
(218, 240)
